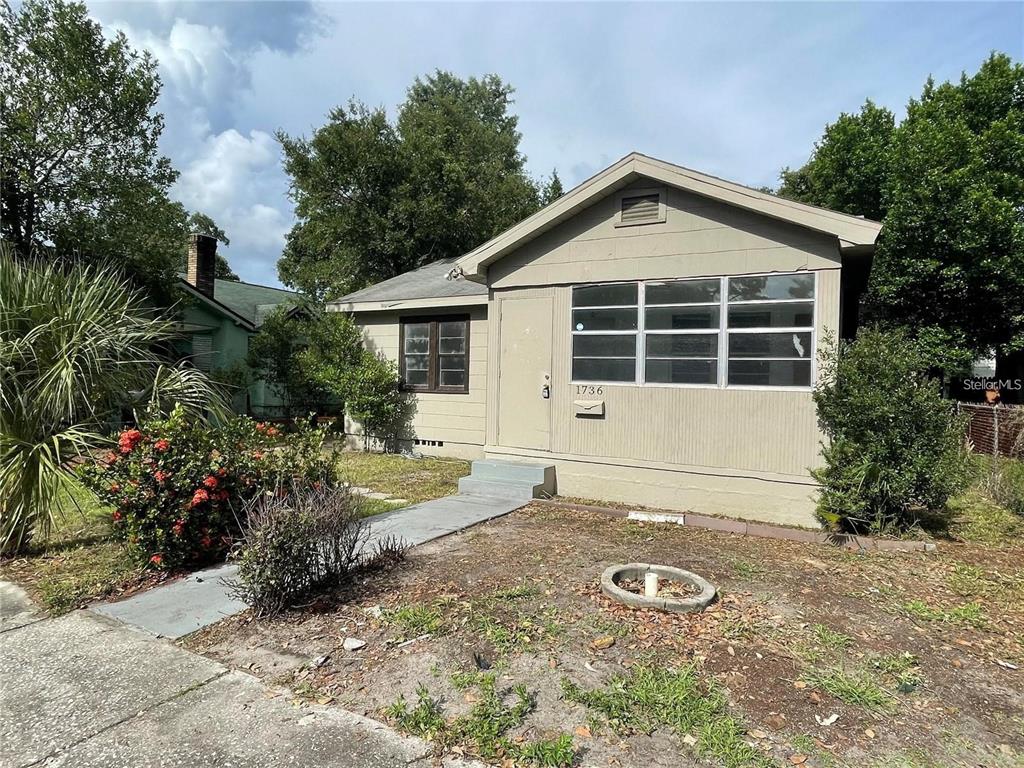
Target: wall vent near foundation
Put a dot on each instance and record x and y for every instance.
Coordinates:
(430, 443)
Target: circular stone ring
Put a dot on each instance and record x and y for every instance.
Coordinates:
(636, 571)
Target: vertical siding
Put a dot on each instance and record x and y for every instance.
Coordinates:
(452, 418)
(762, 431)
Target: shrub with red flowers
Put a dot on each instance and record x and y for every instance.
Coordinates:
(179, 487)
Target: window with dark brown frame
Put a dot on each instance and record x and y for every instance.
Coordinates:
(435, 353)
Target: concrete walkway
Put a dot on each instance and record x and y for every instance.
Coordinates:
(83, 691)
(203, 598)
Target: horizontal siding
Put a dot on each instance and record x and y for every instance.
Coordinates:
(698, 237)
(456, 418)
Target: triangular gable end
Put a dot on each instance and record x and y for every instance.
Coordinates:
(854, 233)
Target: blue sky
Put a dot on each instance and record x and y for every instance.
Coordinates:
(738, 90)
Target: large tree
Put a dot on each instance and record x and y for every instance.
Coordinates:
(948, 185)
(950, 259)
(849, 165)
(376, 198)
(81, 175)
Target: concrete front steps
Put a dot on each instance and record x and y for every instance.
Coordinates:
(513, 480)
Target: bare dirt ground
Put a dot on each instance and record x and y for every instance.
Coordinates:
(823, 657)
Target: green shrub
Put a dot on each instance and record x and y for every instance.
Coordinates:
(78, 345)
(179, 487)
(374, 399)
(295, 543)
(895, 448)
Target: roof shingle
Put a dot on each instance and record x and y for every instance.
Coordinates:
(428, 282)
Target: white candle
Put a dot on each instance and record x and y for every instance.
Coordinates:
(650, 584)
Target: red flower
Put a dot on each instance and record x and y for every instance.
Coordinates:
(273, 432)
(114, 487)
(205, 542)
(222, 494)
(221, 472)
(178, 527)
(128, 440)
(199, 497)
(257, 455)
(111, 457)
(260, 426)
(161, 476)
(117, 515)
(210, 482)
(157, 559)
(161, 445)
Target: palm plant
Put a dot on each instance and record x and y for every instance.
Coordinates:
(77, 347)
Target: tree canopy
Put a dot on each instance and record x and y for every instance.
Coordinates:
(848, 166)
(81, 175)
(375, 198)
(948, 185)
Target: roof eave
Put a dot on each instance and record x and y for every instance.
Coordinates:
(398, 305)
(238, 319)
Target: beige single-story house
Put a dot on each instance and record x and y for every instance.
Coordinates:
(652, 335)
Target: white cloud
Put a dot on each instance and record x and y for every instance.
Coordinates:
(225, 167)
(237, 180)
(232, 176)
(734, 89)
(198, 66)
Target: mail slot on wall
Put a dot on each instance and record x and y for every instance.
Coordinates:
(593, 409)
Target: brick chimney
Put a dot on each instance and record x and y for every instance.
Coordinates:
(202, 262)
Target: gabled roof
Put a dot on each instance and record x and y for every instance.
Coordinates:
(246, 303)
(853, 232)
(419, 285)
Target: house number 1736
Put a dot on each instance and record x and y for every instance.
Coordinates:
(589, 389)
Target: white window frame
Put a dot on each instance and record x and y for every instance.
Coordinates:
(813, 353)
(722, 331)
(639, 325)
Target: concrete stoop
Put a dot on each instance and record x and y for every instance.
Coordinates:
(513, 480)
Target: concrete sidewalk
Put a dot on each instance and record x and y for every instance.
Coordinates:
(203, 598)
(82, 691)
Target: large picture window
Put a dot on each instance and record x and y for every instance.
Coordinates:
(435, 354)
(719, 331)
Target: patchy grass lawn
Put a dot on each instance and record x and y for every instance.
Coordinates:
(403, 477)
(498, 643)
(77, 562)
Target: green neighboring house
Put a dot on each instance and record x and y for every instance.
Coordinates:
(219, 318)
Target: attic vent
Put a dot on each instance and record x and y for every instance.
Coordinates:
(202, 352)
(640, 209)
